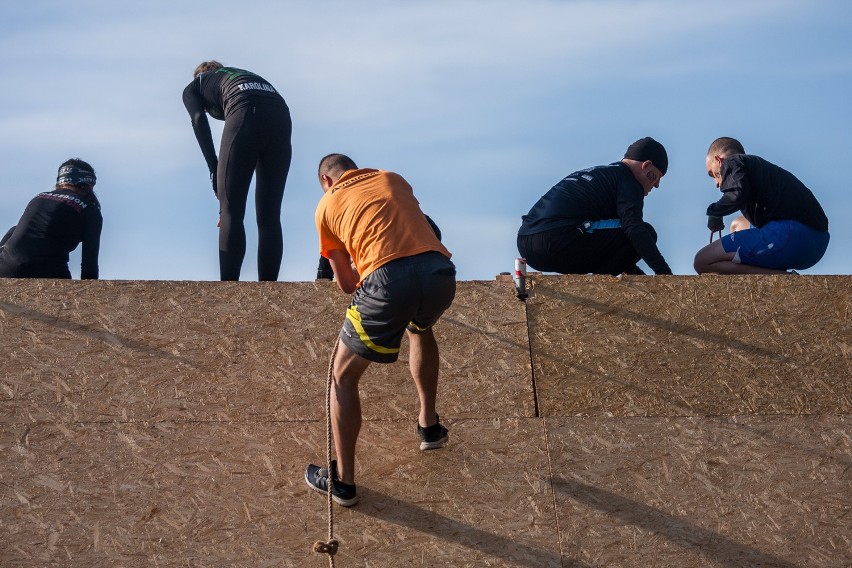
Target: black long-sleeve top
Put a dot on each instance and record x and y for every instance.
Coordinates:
(601, 192)
(220, 93)
(764, 192)
(52, 226)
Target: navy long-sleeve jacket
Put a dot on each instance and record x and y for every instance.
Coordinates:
(593, 194)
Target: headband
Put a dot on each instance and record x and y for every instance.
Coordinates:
(72, 175)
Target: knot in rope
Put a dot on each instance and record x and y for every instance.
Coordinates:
(322, 547)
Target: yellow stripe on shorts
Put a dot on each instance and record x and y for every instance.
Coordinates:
(417, 327)
(354, 316)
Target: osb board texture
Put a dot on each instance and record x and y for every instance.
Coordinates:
(718, 492)
(200, 351)
(691, 346)
(218, 494)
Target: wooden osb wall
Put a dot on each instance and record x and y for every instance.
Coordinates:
(692, 346)
(141, 351)
(677, 421)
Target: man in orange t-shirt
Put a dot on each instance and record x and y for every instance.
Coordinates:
(381, 247)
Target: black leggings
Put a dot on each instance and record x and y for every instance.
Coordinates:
(568, 251)
(13, 269)
(255, 139)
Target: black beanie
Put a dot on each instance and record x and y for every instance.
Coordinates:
(649, 149)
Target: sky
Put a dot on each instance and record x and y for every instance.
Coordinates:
(481, 105)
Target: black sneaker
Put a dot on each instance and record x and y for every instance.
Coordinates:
(341, 493)
(432, 437)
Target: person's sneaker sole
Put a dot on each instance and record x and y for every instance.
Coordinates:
(339, 500)
(434, 445)
(439, 443)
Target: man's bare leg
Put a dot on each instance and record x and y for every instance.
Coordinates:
(346, 409)
(713, 259)
(424, 361)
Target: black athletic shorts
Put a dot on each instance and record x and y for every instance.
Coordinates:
(406, 293)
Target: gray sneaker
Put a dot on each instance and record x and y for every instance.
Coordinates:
(432, 437)
(341, 493)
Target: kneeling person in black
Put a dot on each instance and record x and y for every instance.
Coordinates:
(52, 226)
(591, 221)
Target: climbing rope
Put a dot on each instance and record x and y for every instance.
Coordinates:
(330, 546)
(712, 233)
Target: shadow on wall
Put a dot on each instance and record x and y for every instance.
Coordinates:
(672, 327)
(702, 541)
(400, 513)
(91, 333)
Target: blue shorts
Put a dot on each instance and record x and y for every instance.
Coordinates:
(779, 245)
(406, 293)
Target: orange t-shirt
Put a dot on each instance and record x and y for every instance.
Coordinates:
(374, 216)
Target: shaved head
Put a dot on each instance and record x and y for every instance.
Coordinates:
(725, 146)
(334, 165)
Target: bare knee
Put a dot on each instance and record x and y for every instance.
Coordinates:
(348, 368)
(740, 224)
(707, 256)
(712, 258)
(699, 264)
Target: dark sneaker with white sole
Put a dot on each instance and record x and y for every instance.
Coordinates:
(432, 437)
(341, 493)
